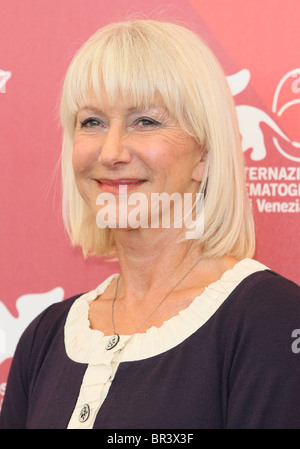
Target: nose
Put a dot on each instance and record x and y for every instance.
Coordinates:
(114, 147)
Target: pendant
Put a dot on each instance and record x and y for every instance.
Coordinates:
(112, 342)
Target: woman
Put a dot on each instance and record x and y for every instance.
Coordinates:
(193, 333)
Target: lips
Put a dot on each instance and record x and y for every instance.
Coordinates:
(113, 185)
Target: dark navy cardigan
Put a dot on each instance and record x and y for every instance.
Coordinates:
(241, 369)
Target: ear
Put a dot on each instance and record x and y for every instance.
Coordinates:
(198, 171)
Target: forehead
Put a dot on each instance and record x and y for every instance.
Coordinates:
(102, 101)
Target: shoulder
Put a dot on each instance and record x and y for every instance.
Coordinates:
(45, 330)
(47, 323)
(262, 363)
(267, 292)
(265, 311)
(261, 299)
(50, 324)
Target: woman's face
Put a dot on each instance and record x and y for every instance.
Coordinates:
(121, 148)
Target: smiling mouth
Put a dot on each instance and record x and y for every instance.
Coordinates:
(121, 182)
(113, 185)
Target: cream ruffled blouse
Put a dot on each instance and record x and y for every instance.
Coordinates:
(86, 345)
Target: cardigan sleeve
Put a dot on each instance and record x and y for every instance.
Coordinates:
(263, 360)
(14, 408)
(29, 354)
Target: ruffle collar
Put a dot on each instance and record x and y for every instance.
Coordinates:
(86, 345)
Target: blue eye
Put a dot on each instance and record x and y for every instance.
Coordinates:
(90, 122)
(146, 122)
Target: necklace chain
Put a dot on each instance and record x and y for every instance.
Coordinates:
(113, 341)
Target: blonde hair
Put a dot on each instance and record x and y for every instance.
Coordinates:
(140, 58)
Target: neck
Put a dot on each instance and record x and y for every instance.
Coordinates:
(148, 261)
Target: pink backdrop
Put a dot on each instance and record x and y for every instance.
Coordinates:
(257, 43)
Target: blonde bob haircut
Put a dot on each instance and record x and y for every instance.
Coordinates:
(140, 58)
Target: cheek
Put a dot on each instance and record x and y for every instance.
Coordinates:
(83, 156)
(176, 152)
(82, 161)
(162, 151)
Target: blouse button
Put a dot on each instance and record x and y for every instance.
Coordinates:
(84, 413)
